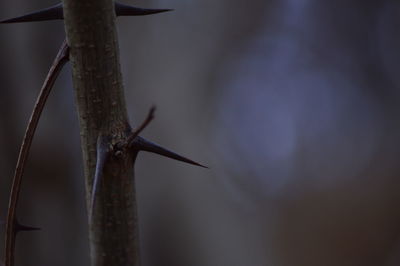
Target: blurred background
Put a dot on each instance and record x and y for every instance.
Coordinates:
(294, 104)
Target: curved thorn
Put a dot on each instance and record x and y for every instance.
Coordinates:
(56, 13)
(142, 144)
(51, 13)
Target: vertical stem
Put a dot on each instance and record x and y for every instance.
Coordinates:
(94, 54)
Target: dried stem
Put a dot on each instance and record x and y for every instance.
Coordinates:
(12, 225)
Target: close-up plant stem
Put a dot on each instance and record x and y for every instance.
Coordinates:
(108, 144)
(94, 54)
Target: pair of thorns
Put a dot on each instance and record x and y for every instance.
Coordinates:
(134, 141)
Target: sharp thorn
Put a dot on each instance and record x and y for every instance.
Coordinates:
(144, 145)
(51, 13)
(56, 12)
(19, 228)
(126, 10)
(102, 156)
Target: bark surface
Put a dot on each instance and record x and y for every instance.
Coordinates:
(94, 55)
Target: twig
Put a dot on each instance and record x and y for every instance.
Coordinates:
(12, 226)
(144, 124)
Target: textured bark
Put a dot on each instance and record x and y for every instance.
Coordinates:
(92, 37)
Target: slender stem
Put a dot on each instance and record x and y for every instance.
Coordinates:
(12, 224)
(92, 37)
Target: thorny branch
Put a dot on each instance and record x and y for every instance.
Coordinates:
(104, 152)
(134, 143)
(105, 149)
(12, 224)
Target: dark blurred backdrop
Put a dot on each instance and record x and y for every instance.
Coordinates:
(294, 104)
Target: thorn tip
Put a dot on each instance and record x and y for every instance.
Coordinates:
(144, 145)
(20, 227)
(51, 13)
(127, 10)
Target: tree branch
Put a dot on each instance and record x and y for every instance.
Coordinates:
(108, 165)
(92, 37)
